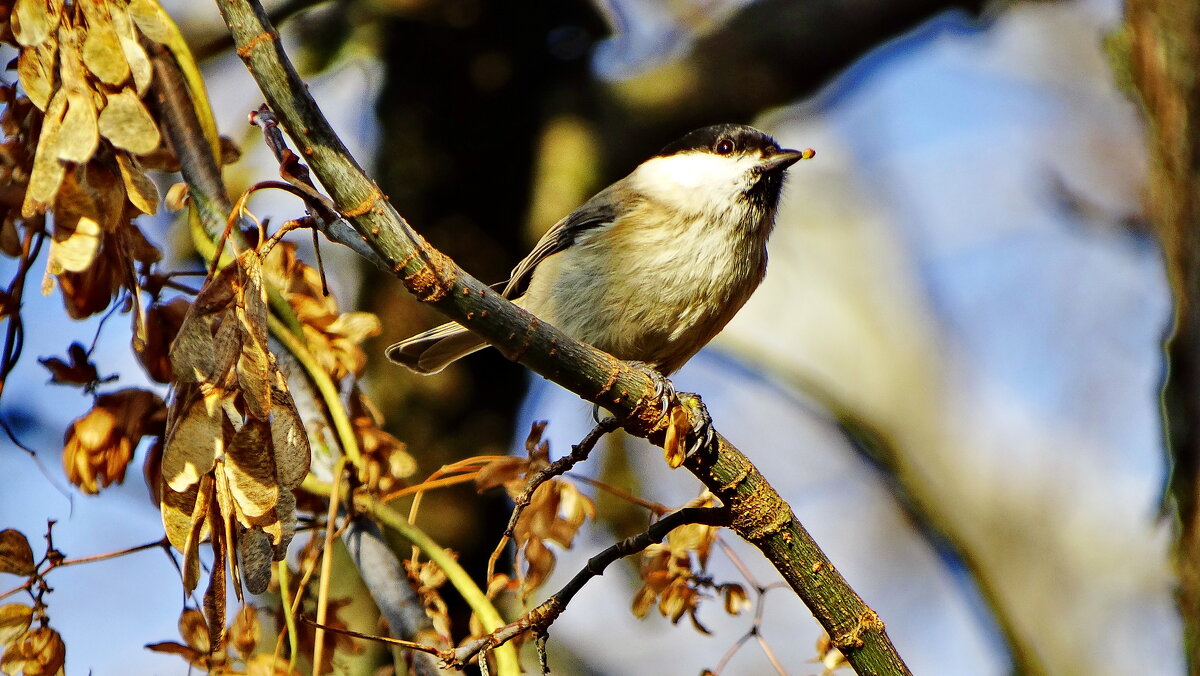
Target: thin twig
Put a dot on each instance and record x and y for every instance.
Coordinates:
(540, 618)
(578, 454)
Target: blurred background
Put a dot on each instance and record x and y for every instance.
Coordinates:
(952, 371)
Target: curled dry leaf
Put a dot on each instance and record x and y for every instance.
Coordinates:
(163, 321)
(39, 652)
(99, 445)
(16, 557)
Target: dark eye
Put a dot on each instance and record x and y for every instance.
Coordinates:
(723, 147)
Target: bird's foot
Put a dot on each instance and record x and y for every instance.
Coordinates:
(688, 424)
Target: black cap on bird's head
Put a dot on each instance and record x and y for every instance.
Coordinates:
(729, 139)
(739, 140)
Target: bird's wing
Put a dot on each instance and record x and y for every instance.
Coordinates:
(595, 213)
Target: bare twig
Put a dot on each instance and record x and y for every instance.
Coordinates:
(540, 618)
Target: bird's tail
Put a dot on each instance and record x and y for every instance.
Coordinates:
(430, 352)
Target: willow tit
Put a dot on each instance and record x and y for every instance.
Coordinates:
(655, 265)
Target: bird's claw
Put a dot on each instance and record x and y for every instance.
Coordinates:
(688, 424)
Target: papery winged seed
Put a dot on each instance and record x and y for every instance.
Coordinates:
(254, 552)
(102, 52)
(193, 629)
(101, 183)
(250, 470)
(127, 124)
(196, 531)
(191, 354)
(79, 136)
(135, 55)
(74, 250)
(37, 73)
(34, 20)
(177, 508)
(142, 192)
(47, 172)
(289, 440)
(151, 19)
(286, 511)
(193, 448)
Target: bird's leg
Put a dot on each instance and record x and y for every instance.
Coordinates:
(688, 426)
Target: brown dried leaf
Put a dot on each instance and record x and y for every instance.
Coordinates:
(80, 135)
(16, 557)
(99, 445)
(193, 446)
(80, 371)
(151, 19)
(245, 631)
(142, 192)
(37, 73)
(127, 124)
(193, 656)
(39, 652)
(102, 52)
(163, 321)
(47, 171)
(250, 470)
(34, 20)
(14, 622)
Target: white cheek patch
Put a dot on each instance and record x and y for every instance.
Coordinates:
(694, 181)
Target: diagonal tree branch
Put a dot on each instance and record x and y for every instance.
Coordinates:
(758, 513)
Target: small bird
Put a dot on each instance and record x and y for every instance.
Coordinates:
(656, 264)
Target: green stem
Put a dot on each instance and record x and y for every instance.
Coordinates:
(506, 656)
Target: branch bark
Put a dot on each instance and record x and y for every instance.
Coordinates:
(759, 514)
(1164, 55)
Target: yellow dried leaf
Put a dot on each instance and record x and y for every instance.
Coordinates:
(37, 73)
(39, 652)
(151, 19)
(142, 192)
(34, 20)
(47, 172)
(135, 55)
(102, 52)
(250, 469)
(14, 622)
(16, 557)
(127, 124)
(192, 447)
(73, 250)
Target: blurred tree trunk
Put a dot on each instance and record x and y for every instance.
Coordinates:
(1165, 60)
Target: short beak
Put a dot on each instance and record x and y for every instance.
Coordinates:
(783, 159)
